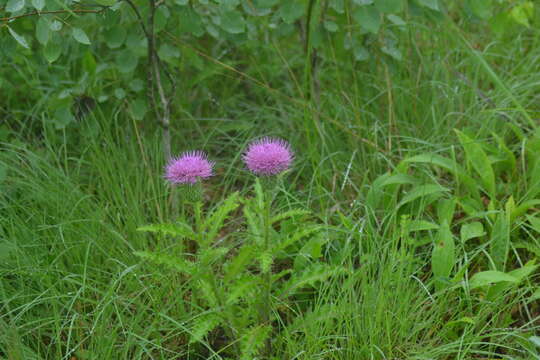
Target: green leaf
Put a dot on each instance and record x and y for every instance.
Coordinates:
(472, 230)
(42, 30)
(522, 13)
(289, 214)
(252, 342)
(115, 36)
(52, 51)
(106, 2)
(490, 277)
(173, 262)
(239, 262)
(168, 53)
(420, 225)
(431, 4)
(500, 241)
(369, 18)
(55, 25)
(443, 256)
(203, 325)
(126, 61)
(481, 8)
(215, 221)
(479, 161)
(14, 5)
(233, 22)
(389, 6)
(422, 191)
(80, 36)
(38, 4)
(63, 117)
(176, 229)
(331, 26)
(291, 11)
(360, 53)
(138, 108)
(19, 38)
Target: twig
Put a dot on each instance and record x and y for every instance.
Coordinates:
(39, 13)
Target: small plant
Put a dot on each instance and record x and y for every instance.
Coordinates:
(240, 279)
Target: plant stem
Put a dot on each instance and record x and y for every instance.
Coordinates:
(268, 275)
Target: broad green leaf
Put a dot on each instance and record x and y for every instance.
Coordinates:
(422, 191)
(52, 51)
(338, 6)
(522, 13)
(391, 50)
(389, 6)
(479, 161)
(360, 53)
(420, 225)
(536, 295)
(233, 22)
(38, 4)
(396, 20)
(368, 17)
(161, 18)
(291, 11)
(471, 231)
(55, 25)
(19, 38)
(500, 241)
(42, 30)
(126, 61)
(168, 53)
(14, 5)
(63, 117)
(265, 3)
(432, 4)
(139, 108)
(115, 36)
(446, 209)
(481, 8)
(331, 26)
(443, 255)
(80, 36)
(106, 2)
(490, 277)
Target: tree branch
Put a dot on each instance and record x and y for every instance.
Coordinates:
(39, 13)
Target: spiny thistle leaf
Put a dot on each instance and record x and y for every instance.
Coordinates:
(238, 264)
(265, 262)
(215, 222)
(177, 229)
(253, 341)
(288, 214)
(309, 277)
(299, 234)
(173, 262)
(253, 223)
(243, 288)
(203, 325)
(210, 255)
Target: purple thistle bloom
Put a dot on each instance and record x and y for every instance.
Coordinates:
(268, 156)
(189, 167)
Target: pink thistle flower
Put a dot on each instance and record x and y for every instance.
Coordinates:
(188, 168)
(268, 156)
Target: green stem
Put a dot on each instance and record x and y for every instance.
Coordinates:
(268, 275)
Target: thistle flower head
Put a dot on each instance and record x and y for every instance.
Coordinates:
(268, 156)
(188, 168)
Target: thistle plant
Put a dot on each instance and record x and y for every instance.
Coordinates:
(238, 278)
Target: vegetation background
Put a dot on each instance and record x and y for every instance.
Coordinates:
(415, 125)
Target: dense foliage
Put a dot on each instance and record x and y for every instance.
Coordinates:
(406, 228)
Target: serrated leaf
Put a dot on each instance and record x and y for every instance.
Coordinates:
(309, 277)
(490, 277)
(203, 325)
(14, 5)
(368, 17)
(177, 229)
(173, 262)
(19, 38)
(80, 36)
(252, 342)
(238, 264)
(289, 214)
(299, 234)
(215, 221)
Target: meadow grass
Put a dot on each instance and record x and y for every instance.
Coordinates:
(71, 202)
